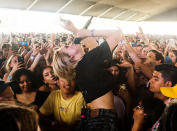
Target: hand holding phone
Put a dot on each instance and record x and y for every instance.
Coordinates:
(21, 59)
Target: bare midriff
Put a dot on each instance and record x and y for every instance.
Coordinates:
(104, 102)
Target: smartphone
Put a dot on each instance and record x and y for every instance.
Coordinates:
(20, 59)
(23, 43)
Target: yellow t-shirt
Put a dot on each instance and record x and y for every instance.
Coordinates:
(67, 111)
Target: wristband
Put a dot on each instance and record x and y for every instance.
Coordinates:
(10, 77)
(77, 40)
(92, 33)
(32, 57)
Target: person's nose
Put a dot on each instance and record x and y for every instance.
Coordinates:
(151, 81)
(68, 83)
(25, 83)
(50, 75)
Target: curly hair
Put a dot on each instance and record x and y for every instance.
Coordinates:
(16, 77)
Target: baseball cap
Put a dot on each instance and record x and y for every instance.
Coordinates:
(169, 91)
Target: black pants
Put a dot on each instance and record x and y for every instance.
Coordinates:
(106, 120)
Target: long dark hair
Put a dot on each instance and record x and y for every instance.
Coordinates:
(154, 108)
(16, 77)
(169, 118)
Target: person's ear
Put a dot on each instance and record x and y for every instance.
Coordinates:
(168, 84)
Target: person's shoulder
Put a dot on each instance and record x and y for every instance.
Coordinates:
(97, 52)
(42, 88)
(104, 44)
(55, 93)
(79, 99)
(78, 95)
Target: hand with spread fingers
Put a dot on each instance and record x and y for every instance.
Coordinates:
(68, 25)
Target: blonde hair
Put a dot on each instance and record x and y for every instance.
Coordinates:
(7, 67)
(63, 66)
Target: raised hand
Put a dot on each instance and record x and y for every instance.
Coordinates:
(16, 67)
(139, 115)
(82, 33)
(140, 30)
(125, 64)
(44, 48)
(68, 25)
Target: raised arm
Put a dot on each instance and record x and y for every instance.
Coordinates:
(133, 54)
(142, 36)
(112, 36)
(145, 68)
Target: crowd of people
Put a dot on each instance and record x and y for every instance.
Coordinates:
(88, 80)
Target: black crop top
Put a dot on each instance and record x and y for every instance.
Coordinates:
(93, 81)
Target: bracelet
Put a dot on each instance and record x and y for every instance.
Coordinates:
(92, 33)
(10, 77)
(32, 57)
